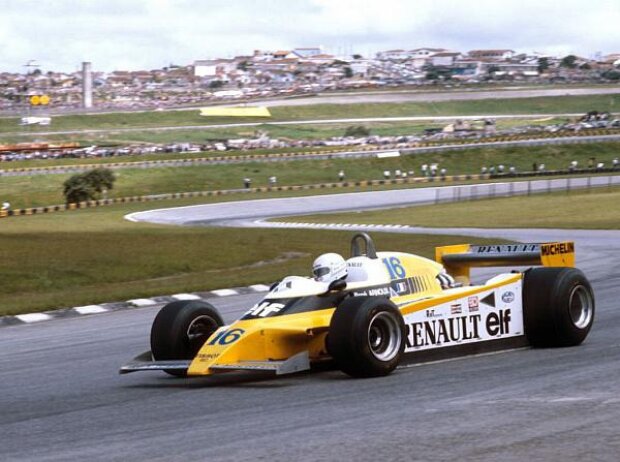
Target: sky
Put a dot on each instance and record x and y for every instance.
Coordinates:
(150, 34)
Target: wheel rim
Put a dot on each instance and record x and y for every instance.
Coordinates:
(199, 330)
(384, 336)
(580, 307)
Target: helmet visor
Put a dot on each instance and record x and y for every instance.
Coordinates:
(320, 271)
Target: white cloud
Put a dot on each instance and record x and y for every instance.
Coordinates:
(138, 34)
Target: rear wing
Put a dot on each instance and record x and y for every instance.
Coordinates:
(459, 259)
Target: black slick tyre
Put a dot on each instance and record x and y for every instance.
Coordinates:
(366, 336)
(558, 307)
(180, 329)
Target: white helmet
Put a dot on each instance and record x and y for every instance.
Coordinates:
(329, 267)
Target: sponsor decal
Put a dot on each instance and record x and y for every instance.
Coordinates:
(444, 332)
(508, 297)
(376, 292)
(489, 300)
(558, 248)
(505, 248)
(264, 308)
(473, 304)
(450, 323)
(206, 357)
(410, 285)
(433, 314)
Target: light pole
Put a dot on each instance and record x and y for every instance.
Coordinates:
(30, 67)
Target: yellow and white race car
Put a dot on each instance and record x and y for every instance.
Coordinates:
(390, 307)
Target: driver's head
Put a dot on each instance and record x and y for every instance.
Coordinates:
(329, 267)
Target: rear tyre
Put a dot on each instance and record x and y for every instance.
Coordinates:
(366, 336)
(180, 329)
(558, 307)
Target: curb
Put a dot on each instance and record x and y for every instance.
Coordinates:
(77, 311)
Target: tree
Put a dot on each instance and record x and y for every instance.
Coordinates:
(543, 64)
(88, 185)
(215, 84)
(348, 72)
(356, 56)
(77, 189)
(611, 75)
(100, 179)
(569, 61)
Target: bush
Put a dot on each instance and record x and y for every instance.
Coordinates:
(611, 75)
(357, 130)
(88, 185)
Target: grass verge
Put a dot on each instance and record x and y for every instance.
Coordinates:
(94, 256)
(42, 190)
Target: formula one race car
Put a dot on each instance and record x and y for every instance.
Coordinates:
(390, 307)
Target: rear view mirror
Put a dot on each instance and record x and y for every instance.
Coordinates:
(337, 285)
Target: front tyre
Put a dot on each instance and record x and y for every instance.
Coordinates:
(366, 336)
(180, 329)
(558, 306)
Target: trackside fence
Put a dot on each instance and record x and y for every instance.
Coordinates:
(523, 188)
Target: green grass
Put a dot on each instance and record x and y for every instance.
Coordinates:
(41, 190)
(593, 209)
(110, 121)
(94, 256)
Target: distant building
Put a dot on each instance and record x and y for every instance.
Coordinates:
(444, 58)
(283, 54)
(424, 52)
(213, 67)
(491, 54)
(613, 59)
(321, 59)
(392, 55)
(307, 52)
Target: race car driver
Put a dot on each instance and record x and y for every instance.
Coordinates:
(329, 267)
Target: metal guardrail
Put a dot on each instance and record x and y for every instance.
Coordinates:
(523, 188)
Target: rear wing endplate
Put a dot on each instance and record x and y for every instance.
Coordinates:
(459, 259)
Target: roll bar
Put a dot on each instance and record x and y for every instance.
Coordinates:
(369, 246)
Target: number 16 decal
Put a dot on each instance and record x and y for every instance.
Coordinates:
(227, 337)
(394, 267)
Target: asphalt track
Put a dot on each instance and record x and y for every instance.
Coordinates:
(61, 399)
(399, 97)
